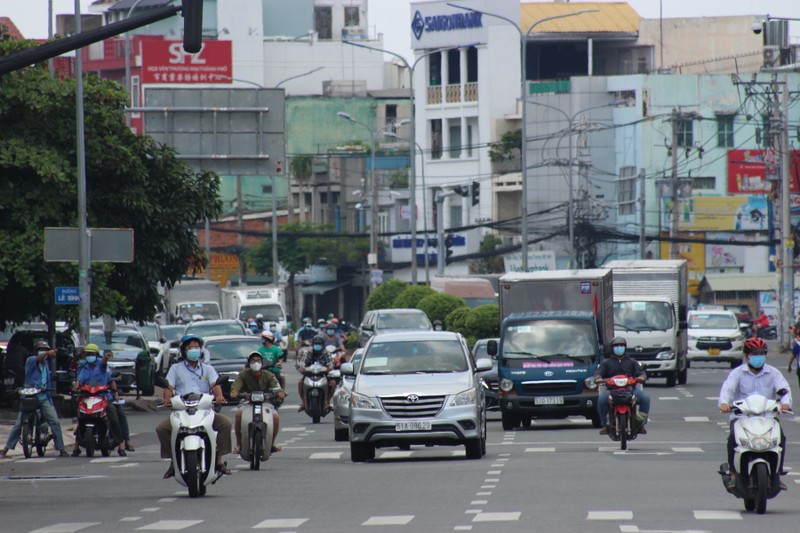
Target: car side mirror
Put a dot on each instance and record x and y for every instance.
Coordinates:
(162, 340)
(347, 369)
(368, 327)
(483, 364)
(491, 348)
(744, 325)
(175, 344)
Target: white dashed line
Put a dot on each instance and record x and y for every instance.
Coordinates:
(668, 398)
(65, 527)
(496, 517)
(281, 523)
(326, 455)
(531, 450)
(717, 515)
(695, 418)
(169, 525)
(687, 449)
(395, 454)
(388, 520)
(479, 502)
(130, 519)
(610, 515)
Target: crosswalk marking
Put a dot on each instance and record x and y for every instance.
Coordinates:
(496, 517)
(326, 455)
(130, 518)
(395, 454)
(462, 528)
(610, 515)
(109, 460)
(717, 515)
(696, 418)
(65, 527)
(479, 502)
(36, 459)
(124, 465)
(495, 486)
(687, 449)
(400, 520)
(494, 472)
(668, 398)
(540, 449)
(169, 525)
(150, 509)
(281, 523)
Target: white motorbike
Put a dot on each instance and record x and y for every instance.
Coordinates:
(757, 456)
(257, 426)
(194, 442)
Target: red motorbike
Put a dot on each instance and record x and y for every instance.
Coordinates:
(623, 423)
(93, 421)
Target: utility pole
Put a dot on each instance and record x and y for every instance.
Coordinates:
(780, 140)
(239, 230)
(642, 201)
(676, 214)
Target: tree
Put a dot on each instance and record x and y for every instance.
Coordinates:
(508, 147)
(483, 322)
(384, 295)
(438, 306)
(411, 296)
(456, 320)
(132, 182)
(490, 264)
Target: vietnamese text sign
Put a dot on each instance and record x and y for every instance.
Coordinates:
(167, 62)
(68, 295)
(537, 261)
(107, 245)
(747, 171)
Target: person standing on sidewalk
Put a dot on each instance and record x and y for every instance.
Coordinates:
(37, 374)
(794, 357)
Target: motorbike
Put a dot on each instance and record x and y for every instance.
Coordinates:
(35, 430)
(623, 422)
(194, 442)
(767, 332)
(257, 420)
(757, 455)
(315, 389)
(93, 423)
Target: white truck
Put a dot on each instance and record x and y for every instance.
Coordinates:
(650, 308)
(245, 302)
(193, 299)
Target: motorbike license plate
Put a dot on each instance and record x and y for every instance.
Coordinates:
(8, 381)
(314, 392)
(713, 351)
(422, 425)
(548, 400)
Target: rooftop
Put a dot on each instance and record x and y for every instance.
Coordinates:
(611, 17)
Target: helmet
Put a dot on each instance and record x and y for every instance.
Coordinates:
(267, 336)
(318, 340)
(616, 341)
(254, 354)
(306, 321)
(437, 322)
(330, 316)
(188, 338)
(91, 348)
(41, 345)
(755, 344)
(259, 316)
(320, 321)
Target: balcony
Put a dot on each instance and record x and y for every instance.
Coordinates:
(455, 93)
(452, 93)
(435, 95)
(471, 92)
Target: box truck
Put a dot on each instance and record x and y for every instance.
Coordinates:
(246, 302)
(193, 299)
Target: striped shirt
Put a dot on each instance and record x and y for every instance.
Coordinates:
(742, 382)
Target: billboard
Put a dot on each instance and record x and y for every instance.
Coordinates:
(167, 62)
(538, 260)
(718, 213)
(722, 255)
(694, 254)
(747, 171)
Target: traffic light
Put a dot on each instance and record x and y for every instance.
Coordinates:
(192, 11)
(476, 192)
(448, 249)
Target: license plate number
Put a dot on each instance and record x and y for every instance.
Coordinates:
(713, 351)
(548, 400)
(422, 425)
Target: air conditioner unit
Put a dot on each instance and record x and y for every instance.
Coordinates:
(771, 55)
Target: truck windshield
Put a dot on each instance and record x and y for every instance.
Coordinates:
(642, 316)
(270, 312)
(538, 338)
(199, 311)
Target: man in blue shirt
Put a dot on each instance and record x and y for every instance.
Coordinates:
(37, 374)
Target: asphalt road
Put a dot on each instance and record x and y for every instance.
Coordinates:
(557, 476)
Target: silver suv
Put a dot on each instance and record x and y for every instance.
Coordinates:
(417, 389)
(391, 320)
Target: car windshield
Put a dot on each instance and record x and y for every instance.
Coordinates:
(120, 341)
(214, 329)
(356, 360)
(403, 321)
(712, 321)
(541, 338)
(197, 311)
(642, 316)
(414, 357)
(150, 332)
(270, 312)
(172, 333)
(232, 349)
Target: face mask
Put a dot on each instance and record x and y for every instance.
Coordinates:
(272, 329)
(41, 352)
(194, 354)
(619, 351)
(317, 348)
(757, 361)
(437, 328)
(330, 331)
(255, 367)
(91, 359)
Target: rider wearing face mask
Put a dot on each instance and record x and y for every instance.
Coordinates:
(331, 336)
(252, 379)
(318, 354)
(755, 377)
(621, 364)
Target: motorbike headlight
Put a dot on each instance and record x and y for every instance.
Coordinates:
(665, 355)
(589, 383)
(360, 401)
(467, 397)
(506, 385)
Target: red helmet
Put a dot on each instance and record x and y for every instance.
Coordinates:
(754, 344)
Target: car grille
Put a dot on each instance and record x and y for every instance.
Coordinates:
(493, 383)
(645, 354)
(406, 407)
(544, 388)
(723, 343)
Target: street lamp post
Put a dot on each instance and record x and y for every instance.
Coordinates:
(128, 60)
(523, 37)
(373, 230)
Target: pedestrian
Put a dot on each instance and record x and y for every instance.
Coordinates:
(37, 374)
(795, 355)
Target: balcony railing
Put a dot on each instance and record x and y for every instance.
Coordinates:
(471, 92)
(452, 93)
(435, 95)
(455, 93)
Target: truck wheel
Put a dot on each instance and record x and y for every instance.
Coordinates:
(361, 452)
(510, 421)
(683, 375)
(672, 379)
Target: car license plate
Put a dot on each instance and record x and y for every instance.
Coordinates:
(420, 425)
(713, 351)
(548, 400)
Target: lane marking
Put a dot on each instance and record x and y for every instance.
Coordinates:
(66, 527)
(688, 449)
(530, 450)
(462, 528)
(496, 517)
(124, 465)
(610, 515)
(696, 419)
(395, 454)
(717, 515)
(326, 455)
(281, 523)
(130, 519)
(484, 493)
(149, 509)
(473, 511)
(169, 525)
(479, 502)
(400, 520)
(109, 460)
(668, 398)
(495, 486)
(167, 500)
(494, 472)
(491, 480)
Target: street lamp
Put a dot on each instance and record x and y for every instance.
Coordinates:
(373, 230)
(128, 60)
(523, 37)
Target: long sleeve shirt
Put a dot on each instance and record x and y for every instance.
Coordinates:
(742, 382)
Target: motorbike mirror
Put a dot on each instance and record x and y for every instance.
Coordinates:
(335, 374)
(330, 348)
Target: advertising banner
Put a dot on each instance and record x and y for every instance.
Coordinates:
(747, 171)
(718, 213)
(537, 261)
(724, 256)
(693, 253)
(167, 62)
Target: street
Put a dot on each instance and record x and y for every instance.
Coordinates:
(556, 476)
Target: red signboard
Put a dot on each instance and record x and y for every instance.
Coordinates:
(747, 171)
(167, 62)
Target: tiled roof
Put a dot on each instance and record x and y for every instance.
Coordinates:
(11, 28)
(608, 17)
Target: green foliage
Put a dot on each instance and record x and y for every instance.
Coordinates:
(492, 264)
(438, 306)
(300, 167)
(384, 295)
(507, 147)
(484, 321)
(456, 320)
(411, 296)
(132, 182)
(399, 179)
(351, 342)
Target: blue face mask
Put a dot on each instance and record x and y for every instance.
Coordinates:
(330, 331)
(317, 347)
(619, 350)
(194, 354)
(91, 359)
(757, 361)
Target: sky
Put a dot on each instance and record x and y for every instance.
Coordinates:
(393, 17)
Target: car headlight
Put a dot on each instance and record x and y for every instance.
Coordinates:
(665, 355)
(360, 401)
(506, 385)
(468, 397)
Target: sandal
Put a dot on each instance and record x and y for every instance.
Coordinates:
(276, 449)
(237, 450)
(223, 469)
(129, 447)
(170, 472)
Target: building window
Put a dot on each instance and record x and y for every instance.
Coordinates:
(454, 130)
(135, 90)
(391, 116)
(685, 132)
(725, 131)
(323, 17)
(436, 138)
(435, 69)
(626, 196)
(383, 222)
(456, 216)
(351, 16)
(472, 65)
(704, 183)
(469, 139)
(454, 66)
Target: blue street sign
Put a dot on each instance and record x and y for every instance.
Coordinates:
(68, 295)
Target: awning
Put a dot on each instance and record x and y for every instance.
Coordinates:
(740, 282)
(322, 288)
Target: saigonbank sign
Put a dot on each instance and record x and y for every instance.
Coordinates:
(455, 21)
(441, 24)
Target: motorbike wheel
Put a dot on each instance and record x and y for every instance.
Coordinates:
(256, 449)
(622, 428)
(88, 441)
(316, 409)
(749, 504)
(761, 483)
(40, 440)
(27, 437)
(683, 375)
(192, 476)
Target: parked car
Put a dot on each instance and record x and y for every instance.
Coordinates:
(159, 347)
(742, 312)
(417, 389)
(215, 328)
(341, 400)
(391, 320)
(489, 377)
(173, 333)
(229, 356)
(714, 335)
(127, 344)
